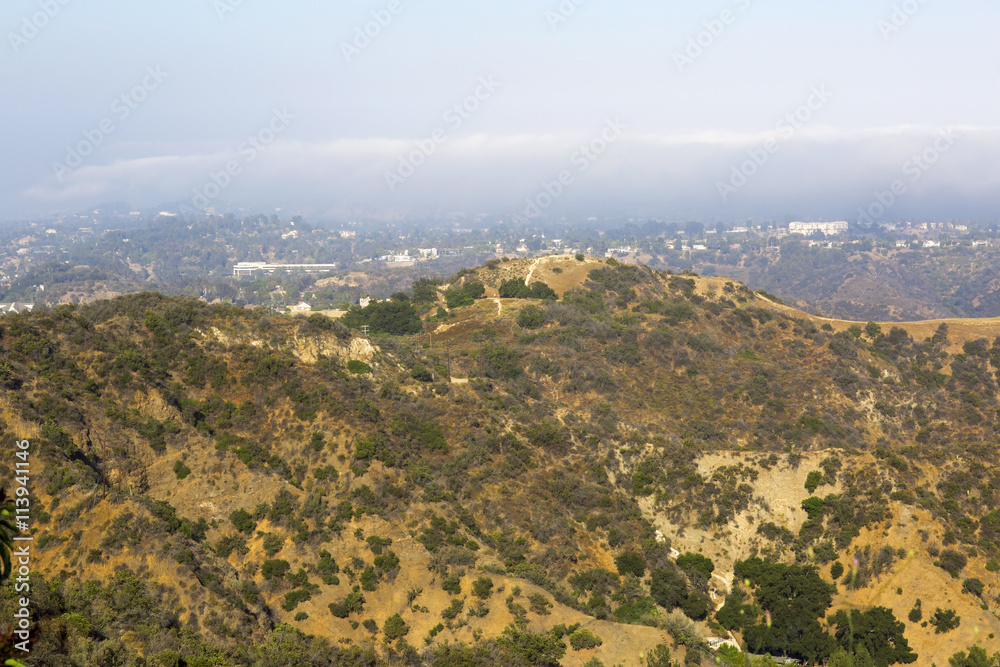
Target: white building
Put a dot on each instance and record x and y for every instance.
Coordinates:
(828, 228)
(248, 268)
(624, 250)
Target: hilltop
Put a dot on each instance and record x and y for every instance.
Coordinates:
(257, 489)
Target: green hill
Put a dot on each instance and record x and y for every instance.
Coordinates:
(214, 485)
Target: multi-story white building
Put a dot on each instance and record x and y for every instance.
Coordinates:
(248, 268)
(828, 228)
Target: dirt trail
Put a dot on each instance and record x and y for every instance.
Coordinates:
(531, 271)
(496, 300)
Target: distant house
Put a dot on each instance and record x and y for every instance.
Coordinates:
(300, 307)
(15, 308)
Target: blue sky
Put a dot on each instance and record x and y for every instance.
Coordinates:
(894, 74)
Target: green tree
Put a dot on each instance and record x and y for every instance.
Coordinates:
(813, 480)
(659, 657)
(395, 627)
(631, 562)
(813, 507)
(538, 650)
(530, 317)
(425, 290)
(513, 289)
(878, 631)
(916, 613)
(668, 587)
(795, 597)
(482, 588)
(273, 543)
(944, 620)
(976, 657)
(583, 639)
(421, 373)
(396, 318)
(697, 563)
(974, 586)
(242, 521)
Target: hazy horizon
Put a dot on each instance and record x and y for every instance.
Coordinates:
(727, 110)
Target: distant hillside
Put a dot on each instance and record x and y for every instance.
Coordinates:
(605, 477)
(886, 285)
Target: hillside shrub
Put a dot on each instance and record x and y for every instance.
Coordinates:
(917, 613)
(631, 562)
(530, 317)
(242, 521)
(696, 562)
(974, 586)
(273, 543)
(395, 318)
(181, 470)
(952, 562)
(944, 620)
(813, 480)
(877, 631)
(275, 569)
(395, 627)
(354, 603)
(516, 289)
(358, 367)
(482, 588)
(584, 639)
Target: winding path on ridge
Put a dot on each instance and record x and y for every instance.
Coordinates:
(531, 271)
